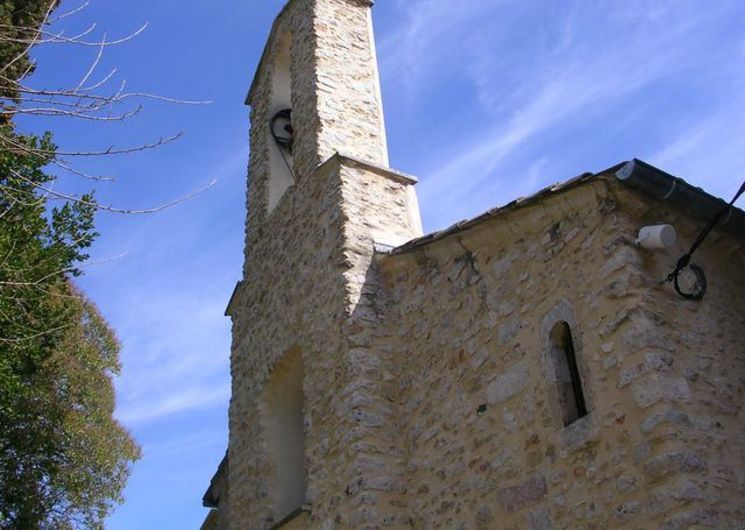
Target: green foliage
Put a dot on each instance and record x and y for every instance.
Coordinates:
(19, 23)
(37, 251)
(64, 459)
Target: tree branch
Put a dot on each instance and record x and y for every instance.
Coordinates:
(113, 209)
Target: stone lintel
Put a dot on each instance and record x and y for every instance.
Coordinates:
(340, 159)
(272, 37)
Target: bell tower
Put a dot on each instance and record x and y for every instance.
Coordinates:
(316, 93)
(309, 408)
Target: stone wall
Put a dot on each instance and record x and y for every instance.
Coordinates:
(429, 400)
(308, 284)
(335, 92)
(662, 446)
(309, 287)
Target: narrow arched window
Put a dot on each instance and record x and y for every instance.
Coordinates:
(568, 380)
(285, 434)
(280, 148)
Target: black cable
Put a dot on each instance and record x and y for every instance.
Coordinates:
(685, 260)
(287, 163)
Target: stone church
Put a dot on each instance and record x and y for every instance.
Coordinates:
(526, 369)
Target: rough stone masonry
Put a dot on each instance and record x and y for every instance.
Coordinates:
(523, 370)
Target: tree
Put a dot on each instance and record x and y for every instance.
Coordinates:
(64, 459)
(20, 22)
(39, 252)
(25, 24)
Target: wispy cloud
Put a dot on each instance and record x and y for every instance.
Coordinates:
(175, 337)
(424, 38)
(570, 93)
(194, 442)
(187, 400)
(176, 342)
(709, 150)
(172, 337)
(537, 71)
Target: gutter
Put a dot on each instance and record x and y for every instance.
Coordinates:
(694, 201)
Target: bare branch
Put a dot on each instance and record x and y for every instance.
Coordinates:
(101, 82)
(66, 167)
(106, 152)
(63, 271)
(93, 66)
(67, 14)
(83, 114)
(59, 38)
(155, 97)
(9, 208)
(9, 190)
(50, 37)
(10, 253)
(113, 209)
(33, 41)
(34, 335)
(118, 97)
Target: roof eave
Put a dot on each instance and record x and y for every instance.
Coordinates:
(636, 175)
(211, 498)
(653, 182)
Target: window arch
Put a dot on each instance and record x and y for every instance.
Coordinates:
(280, 158)
(283, 404)
(567, 377)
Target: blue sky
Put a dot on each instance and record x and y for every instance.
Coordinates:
(486, 100)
